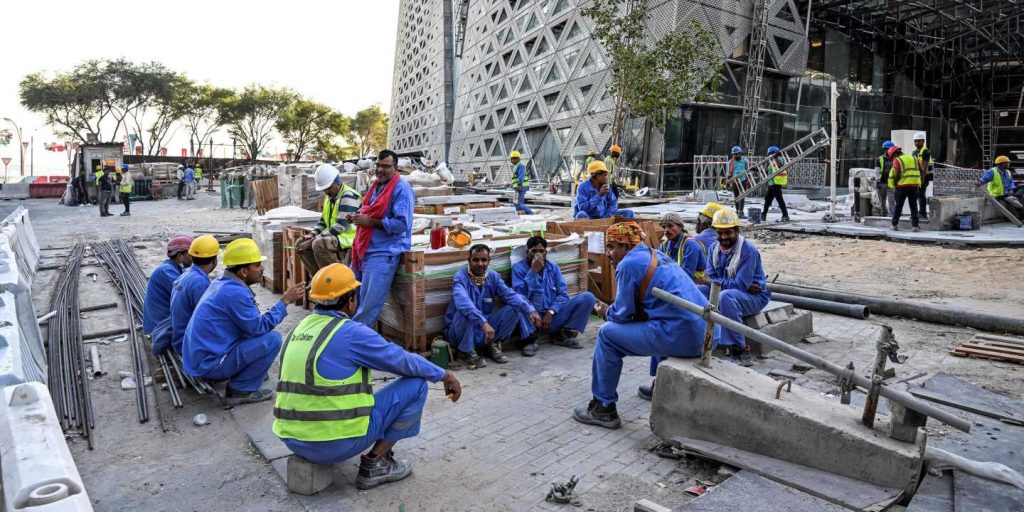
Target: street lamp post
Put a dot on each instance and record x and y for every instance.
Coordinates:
(21, 145)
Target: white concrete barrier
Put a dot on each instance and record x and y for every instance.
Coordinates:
(22, 357)
(38, 471)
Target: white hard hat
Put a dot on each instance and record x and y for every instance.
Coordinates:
(325, 176)
(920, 136)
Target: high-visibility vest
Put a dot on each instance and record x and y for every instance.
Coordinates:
(515, 176)
(99, 176)
(921, 164)
(679, 254)
(330, 215)
(611, 163)
(910, 175)
(309, 407)
(126, 183)
(781, 179)
(199, 173)
(996, 187)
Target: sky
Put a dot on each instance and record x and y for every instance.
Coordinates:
(340, 52)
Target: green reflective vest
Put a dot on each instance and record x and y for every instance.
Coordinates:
(996, 187)
(921, 164)
(610, 163)
(126, 183)
(309, 407)
(99, 176)
(198, 173)
(515, 176)
(330, 215)
(782, 178)
(910, 175)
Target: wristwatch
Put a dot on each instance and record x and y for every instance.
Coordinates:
(551, 312)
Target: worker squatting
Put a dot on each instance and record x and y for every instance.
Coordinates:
(325, 407)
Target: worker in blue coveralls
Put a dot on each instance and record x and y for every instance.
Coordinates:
(227, 337)
(595, 198)
(326, 411)
(188, 289)
(157, 306)
(520, 182)
(638, 324)
(383, 233)
(540, 281)
(735, 265)
(472, 322)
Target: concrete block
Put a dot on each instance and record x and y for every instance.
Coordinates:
(735, 406)
(774, 305)
(307, 478)
(793, 330)
(904, 423)
(757, 321)
(777, 315)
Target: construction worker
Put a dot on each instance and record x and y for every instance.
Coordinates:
(472, 322)
(1002, 187)
(882, 186)
(180, 174)
(540, 281)
(383, 233)
(520, 182)
(923, 155)
(591, 156)
(157, 305)
(189, 288)
(775, 187)
(638, 324)
(190, 183)
(227, 338)
(105, 189)
(707, 235)
(905, 179)
(331, 239)
(737, 167)
(326, 411)
(124, 188)
(611, 162)
(688, 252)
(81, 190)
(595, 198)
(199, 173)
(735, 265)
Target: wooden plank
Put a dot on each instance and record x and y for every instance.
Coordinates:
(1014, 351)
(1002, 209)
(985, 354)
(992, 343)
(1004, 339)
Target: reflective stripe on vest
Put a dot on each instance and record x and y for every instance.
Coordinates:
(996, 187)
(330, 216)
(526, 176)
(309, 407)
(910, 175)
(781, 179)
(126, 184)
(679, 254)
(99, 176)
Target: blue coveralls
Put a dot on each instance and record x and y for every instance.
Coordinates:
(521, 190)
(227, 337)
(396, 407)
(669, 330)
(385, 252)
(473, 305)
(708, 237)
(591, 205)
(548, 290)
(691, 260)
(188, 289)
(157, 306)
(735, 302)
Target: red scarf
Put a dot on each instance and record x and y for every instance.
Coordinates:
(376, 209)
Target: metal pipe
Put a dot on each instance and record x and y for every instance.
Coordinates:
(836, 308)
(917, 311)
(94, 356)
(709, 330)
(822, 364)
(40, 320)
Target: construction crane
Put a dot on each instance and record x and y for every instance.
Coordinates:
(755, 73)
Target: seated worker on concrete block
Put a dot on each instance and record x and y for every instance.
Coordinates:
(188, 289)
(1000, 186)
(157, 306)
(472, 320)
(736, 267)
(331, 239)
(638, 324)
(540, 281)
(707, 235)
(227, 337)
(595, 198)
(326, 410)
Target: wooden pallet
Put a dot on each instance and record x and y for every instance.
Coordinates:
(991, 346)
(265, 195)
(294, 271)
(273, 277)
(439, 209)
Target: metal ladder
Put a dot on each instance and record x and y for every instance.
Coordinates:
(460, 27)
(986, 134)
(755, 73)
(759, 174)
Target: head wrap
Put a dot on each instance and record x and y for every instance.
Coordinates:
(180, 243)
(672, 218)
(625, 233)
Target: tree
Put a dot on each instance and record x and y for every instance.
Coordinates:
(252, 115)
(205, 109)
(75, 103)
(304, 123)
(369, 131)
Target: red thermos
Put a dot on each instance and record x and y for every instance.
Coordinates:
(438, 236)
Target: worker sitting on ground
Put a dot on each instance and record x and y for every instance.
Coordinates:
(738, 175)
(736, 267)
(520, 182)
(595, 198)
(882, 186)
(638, 324)
(326, 411)
(188, 289)
(905, 179)
(1002, 187)
(332, 237)
(775, 187)
(472, 321)
(688, 252)
(707, 235)
(383, 233)
(540, 281)
(157, 305)
(227, 337)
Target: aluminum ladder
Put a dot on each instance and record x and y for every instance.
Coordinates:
(759, 174)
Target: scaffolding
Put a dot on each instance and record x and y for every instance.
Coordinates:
(755, 73)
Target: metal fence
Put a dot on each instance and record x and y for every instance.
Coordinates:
(950, 180)
(710, 170)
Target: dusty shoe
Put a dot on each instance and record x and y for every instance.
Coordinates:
(596, 414)
(125, 214)
(895, 228)
(562, 338)
(744, 358)
(384, 469)
(530, 346)
(915, 229)
(242, 397)
(646, 392)
(494, 352)
(784, 219)
(471, 360)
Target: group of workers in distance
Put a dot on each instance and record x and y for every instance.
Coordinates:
(903, 179)
(109, 179)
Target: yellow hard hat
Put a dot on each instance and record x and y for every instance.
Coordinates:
(99, 167)
(710, 209)
(1002, 159)
(596, 166)
(725, 218)
(331, 282)
(205, 246)
(515, 154)
(242, 251)
(616, 149)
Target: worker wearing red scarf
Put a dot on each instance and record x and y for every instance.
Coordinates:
(383, 233)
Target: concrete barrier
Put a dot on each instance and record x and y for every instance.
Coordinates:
(22, 356)
(38, 471)
(14, 191)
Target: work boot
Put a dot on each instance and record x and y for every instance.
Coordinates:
(895, 228)
(383, 469)
(494, 352)
(915, 229)
(242, 397)
(596, 414)
(646, 392)
(563, 338)
(743, 357)
(784, 219)
(530, 346)
(471, 360)
(125, 214)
